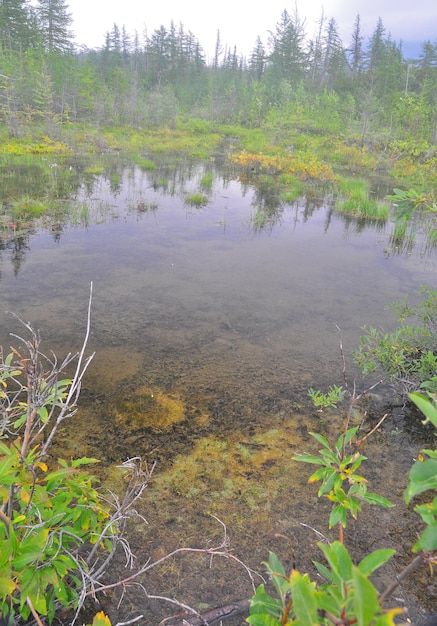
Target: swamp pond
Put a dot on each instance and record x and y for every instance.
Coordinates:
(214, 310)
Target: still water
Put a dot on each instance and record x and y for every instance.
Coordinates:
(218, 323)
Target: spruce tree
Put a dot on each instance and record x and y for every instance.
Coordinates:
(17, 28)
(54, 22)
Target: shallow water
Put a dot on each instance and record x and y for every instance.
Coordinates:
(232, 321)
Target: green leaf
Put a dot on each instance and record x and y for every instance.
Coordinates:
(275, 565)
(84, 461)
(374, 498)
(262, 604)
(39, 602)
(320, 474)
(329, 457)
(7, 586)
(328, 483)
(423, 476)
(304, 598)
(26, 558)
(372, 561)
(425, 405)
(428, 539)
(43, 413)
(261, 619)
(339, 561)
(321, 439)
(365, 599)
(338, 516)
(323, 571)
(345, 438)
(278, 575)
(309, 458)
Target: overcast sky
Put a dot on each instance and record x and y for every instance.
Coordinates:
(241, 21)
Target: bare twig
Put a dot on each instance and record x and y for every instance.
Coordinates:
(75, 387)
(361, 441)
(34, 613)
(182, 606)
(411, 567)
(346, 384)
(131, 621)
(318, 533)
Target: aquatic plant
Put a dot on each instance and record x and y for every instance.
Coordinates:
(95, 169)
(27, 208)
(402, 237)
(145, 164)
(354, 200)
(206, 182)
(353, 188)
(366, 208)
(196, 199)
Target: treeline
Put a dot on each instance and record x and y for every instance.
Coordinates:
(367, 88)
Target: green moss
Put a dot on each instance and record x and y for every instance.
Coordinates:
(218, 471)
(154, 409)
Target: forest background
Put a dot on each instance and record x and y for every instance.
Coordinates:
(367, 91)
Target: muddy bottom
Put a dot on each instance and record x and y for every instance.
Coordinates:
(221, 462)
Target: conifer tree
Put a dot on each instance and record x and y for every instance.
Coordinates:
(54, 21)
(17, 27)
(288, 57)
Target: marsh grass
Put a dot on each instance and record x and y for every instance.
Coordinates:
(206, 182)
(27, 207)
(355, 201)
(368, 208)
(144, 164)
(402, 238)
(431, 239)
(95, 170)
(261, 220)
(293, 188)
(196, 199)
(357, 188)
(144, 206)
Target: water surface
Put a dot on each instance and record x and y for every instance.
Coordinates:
(232, 319)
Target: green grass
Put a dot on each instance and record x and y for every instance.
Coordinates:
(207, 181)
(401, 237)
(28, 208)
(356, 188)
(363, 208)
(431, 239)
(354, 200)
(196, 199)
(144, 164)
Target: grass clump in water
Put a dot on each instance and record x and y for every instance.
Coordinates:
(401, 237)
(27, 208)
(196, 199)
(356, 201)
(207, 181)
(145, 164)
